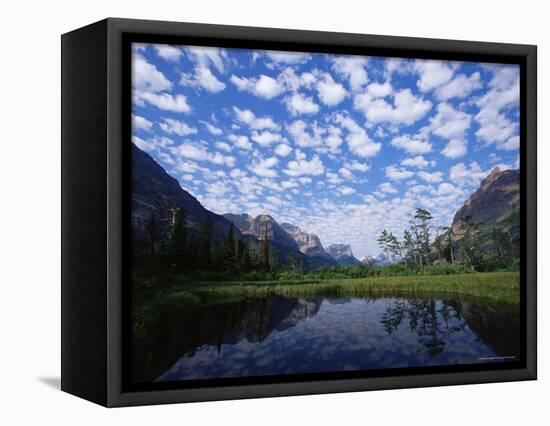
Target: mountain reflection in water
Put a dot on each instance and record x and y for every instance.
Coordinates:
(281, 335)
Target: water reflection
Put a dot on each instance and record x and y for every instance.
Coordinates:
(280, 335)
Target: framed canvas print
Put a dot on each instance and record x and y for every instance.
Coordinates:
(255, 212)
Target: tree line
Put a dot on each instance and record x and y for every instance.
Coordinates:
(424, 244)
(179, 251)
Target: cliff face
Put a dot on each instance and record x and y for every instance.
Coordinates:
(494, 204)
(309, 251)
(309, 244)
(260, 226)
(343, 254)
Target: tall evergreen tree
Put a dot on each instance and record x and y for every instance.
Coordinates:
(152, 229)
(264, 251)
(229, 252)
(383, 241)
(179, 239)
(243, 256)
(205, 245)
(408, 246)
(390, 244)
(422, 219)
(394, 246)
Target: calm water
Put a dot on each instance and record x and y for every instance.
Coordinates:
(280, 335)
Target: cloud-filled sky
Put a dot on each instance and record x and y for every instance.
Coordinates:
(342, 146)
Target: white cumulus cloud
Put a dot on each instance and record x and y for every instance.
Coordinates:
(177, 127)
(412, 145)
(298, 104)
(264, 168)
(396, 173)
(247, 117)
(354, 69)
(357, 138)
(203, 78)
(264, 86)
(432, 73)
(282, 150)
(141, 123)
(167, 52)
(405, 109)
(330, 92)
(301, 166)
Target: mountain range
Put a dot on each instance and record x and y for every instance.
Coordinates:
(155, 195)
(376, 261)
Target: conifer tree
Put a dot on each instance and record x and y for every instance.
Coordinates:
(229, 251)
(205, 247)
(243, 256)
(151, 227)
(179, 239)
(408, 246)
(422, 230)
(264, 249)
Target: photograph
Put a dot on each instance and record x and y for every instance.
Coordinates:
(297, 213)
(301, 212)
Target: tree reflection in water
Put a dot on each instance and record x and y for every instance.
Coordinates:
(282, 335)
(428, 319)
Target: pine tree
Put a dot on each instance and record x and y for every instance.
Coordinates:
(205, 247)
(151, 227)
(179, 239)
(383, 241)
(423, 218)
(408, 245)
(243, 256)
(229, 252)
(265, 251)
(394, 246)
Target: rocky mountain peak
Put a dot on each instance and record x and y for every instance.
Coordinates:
(264, 218)
(260, 226)
(340, 250)
(241, 221)
(343, 254)
(495, 171)
(380, 260)
(309, 244)
(495, 201)
(491, 177)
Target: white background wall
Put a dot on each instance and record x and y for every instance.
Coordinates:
(30, 200)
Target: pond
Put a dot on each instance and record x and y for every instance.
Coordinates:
(281, 335)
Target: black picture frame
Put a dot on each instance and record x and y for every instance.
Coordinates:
(95, 180)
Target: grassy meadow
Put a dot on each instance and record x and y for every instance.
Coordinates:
(498, 286)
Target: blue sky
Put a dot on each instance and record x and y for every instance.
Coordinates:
(341, 146)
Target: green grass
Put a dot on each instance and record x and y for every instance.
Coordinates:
(500, 286)
(150, 301)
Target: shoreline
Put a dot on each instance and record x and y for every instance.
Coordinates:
(496, 286)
